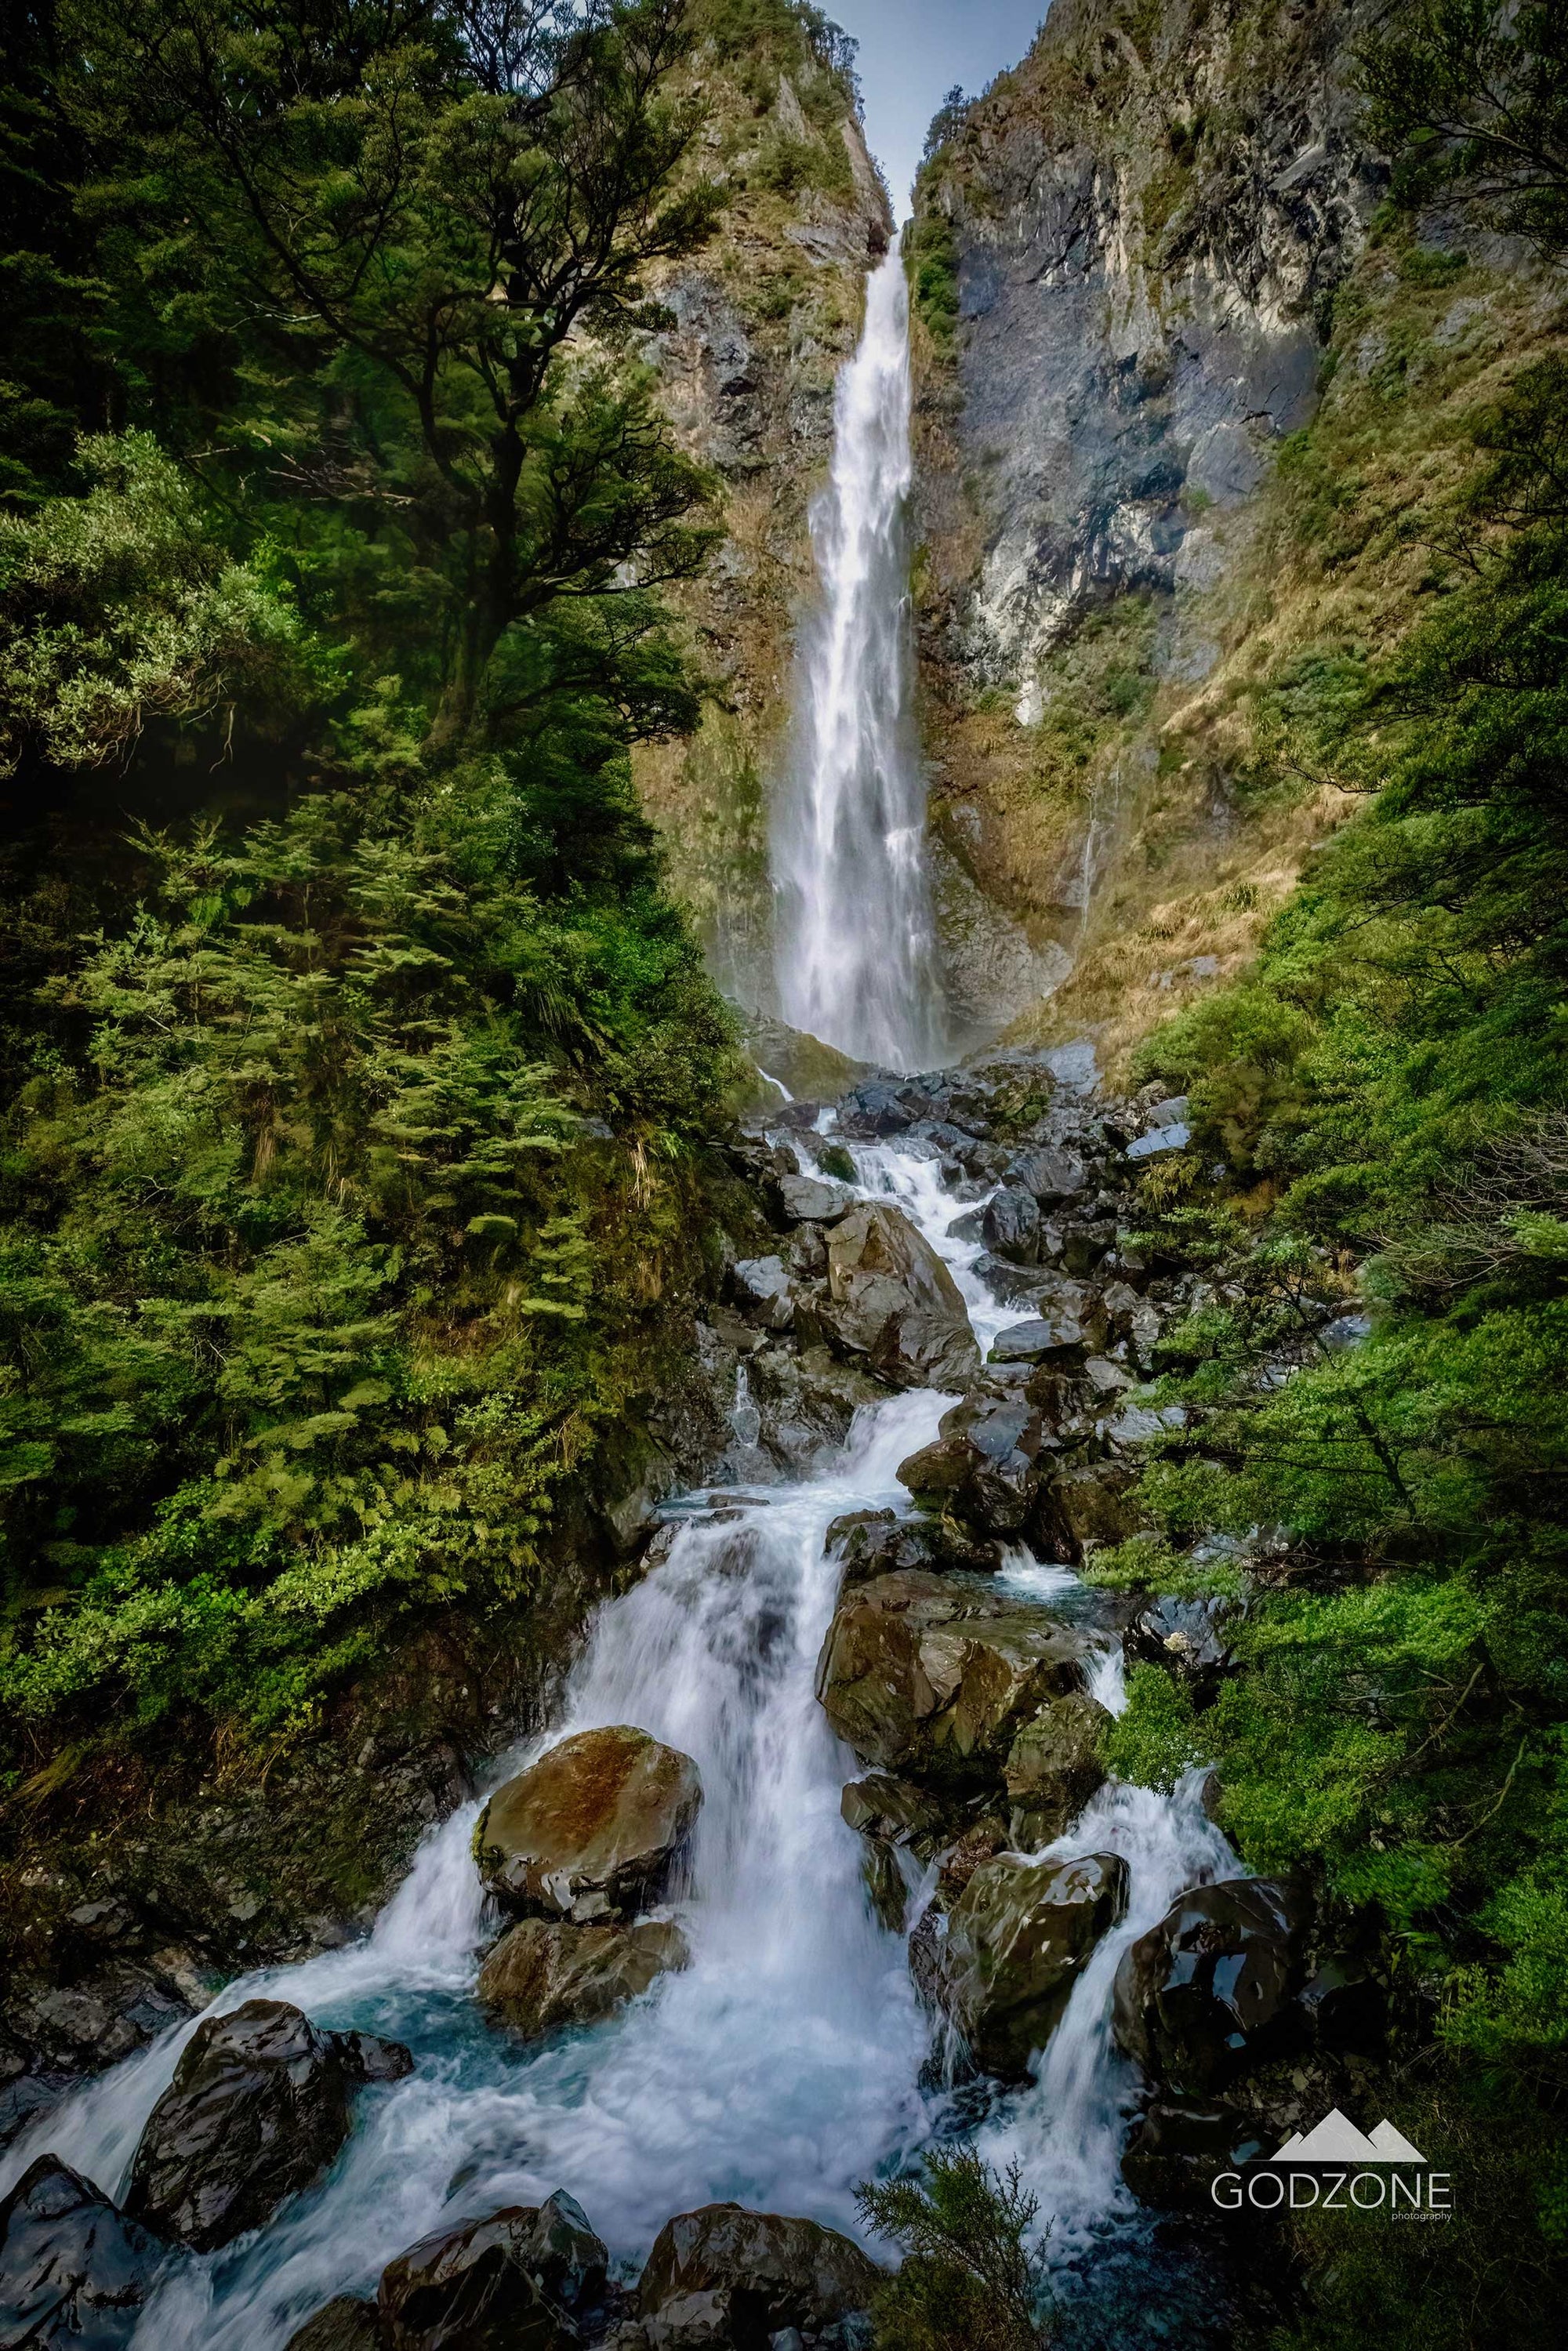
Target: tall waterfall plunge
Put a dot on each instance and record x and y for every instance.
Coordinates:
(855, 959)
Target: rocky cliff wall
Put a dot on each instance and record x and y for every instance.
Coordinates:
(1126, 257)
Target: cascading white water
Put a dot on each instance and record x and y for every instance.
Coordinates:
(854, 956)
(785, 2064)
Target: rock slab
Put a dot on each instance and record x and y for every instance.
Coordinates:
(591, 1829)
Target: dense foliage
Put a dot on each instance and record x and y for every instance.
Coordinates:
(971, 2278)
(1375, 1387)
(357, 1069)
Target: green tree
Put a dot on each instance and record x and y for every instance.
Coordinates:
(970, 2280)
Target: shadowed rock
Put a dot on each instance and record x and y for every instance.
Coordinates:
(347, 2322)
(74, 2271)
(1017, 1941)
(486, 2285)
(746, 2276)
(1054, 1767)
(1211, 1988)
(591, 1829)
(1180, 2147)
(546, 1975)
(259, 2105)
(985, 1464)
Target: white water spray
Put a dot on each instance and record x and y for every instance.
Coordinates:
(785, 2064)
(855, 961)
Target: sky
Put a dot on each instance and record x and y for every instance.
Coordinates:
(911, 54)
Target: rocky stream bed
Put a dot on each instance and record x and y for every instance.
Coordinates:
(817, 1862)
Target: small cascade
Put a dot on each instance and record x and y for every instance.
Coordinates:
(855, 952)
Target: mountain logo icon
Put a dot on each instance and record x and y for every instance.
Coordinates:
(1337, 2140)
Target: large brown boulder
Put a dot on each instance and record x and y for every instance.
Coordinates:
(1054, 1767)
(935, 1674)
(1017, 1941)
(74, 2271)
(1211, 1989)
(590, 1830)
(892, 1300)
(259, 2105)
(547, 1974)
(726, 2276)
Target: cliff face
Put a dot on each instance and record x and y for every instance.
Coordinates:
(757, 328)
(1126, 257)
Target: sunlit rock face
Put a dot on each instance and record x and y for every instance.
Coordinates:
(1146, 224)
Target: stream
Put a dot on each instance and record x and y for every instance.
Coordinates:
(791, 2060)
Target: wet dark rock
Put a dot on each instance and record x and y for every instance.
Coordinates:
(1054, 1767)
(725, 2276)
(1040, 1340)
(1090, 1505)
(1190, 1638)
(546, 1975)
(1084, 1246)
(872, 1111)
(1346, 2006)
(260, 2104)
(762, 1292)
(1018, 1938)
(895, 1813)
(1009, 1226)
(985, 1464)
(1211, 1989)
(1181, 2146)
(968, 1150)
(881, 1542)
(592, 1829)
(479, 2287)
(969, 1226)
(893, 1301)
(936, 1674)
(74, 2271)
(1050, 1176)
(347, 2322)
(805, 1404)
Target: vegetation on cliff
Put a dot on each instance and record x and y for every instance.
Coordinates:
(357, 1065)
(1386, 1091)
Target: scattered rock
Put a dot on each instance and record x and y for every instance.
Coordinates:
(1049, 1175)
(894, 1300)
(726, 2276)
(1188, 1637)
(895, 1812)
(259, 2105)
(1089, 1505)
(807, 1199)
(546, 1975)
(1016, 1940)
(872, 1111)
(1211, 1988)
(1009, 1226)
(1041, 1341)
(763, 1292)
(74, 2271)
(592, 1829)
(1162, 1141)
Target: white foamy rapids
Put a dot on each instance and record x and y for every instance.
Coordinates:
(783, 2066)
(1068, 2128)
(855, 954)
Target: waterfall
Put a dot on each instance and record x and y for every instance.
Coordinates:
(788, 2062)
(855, 952)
